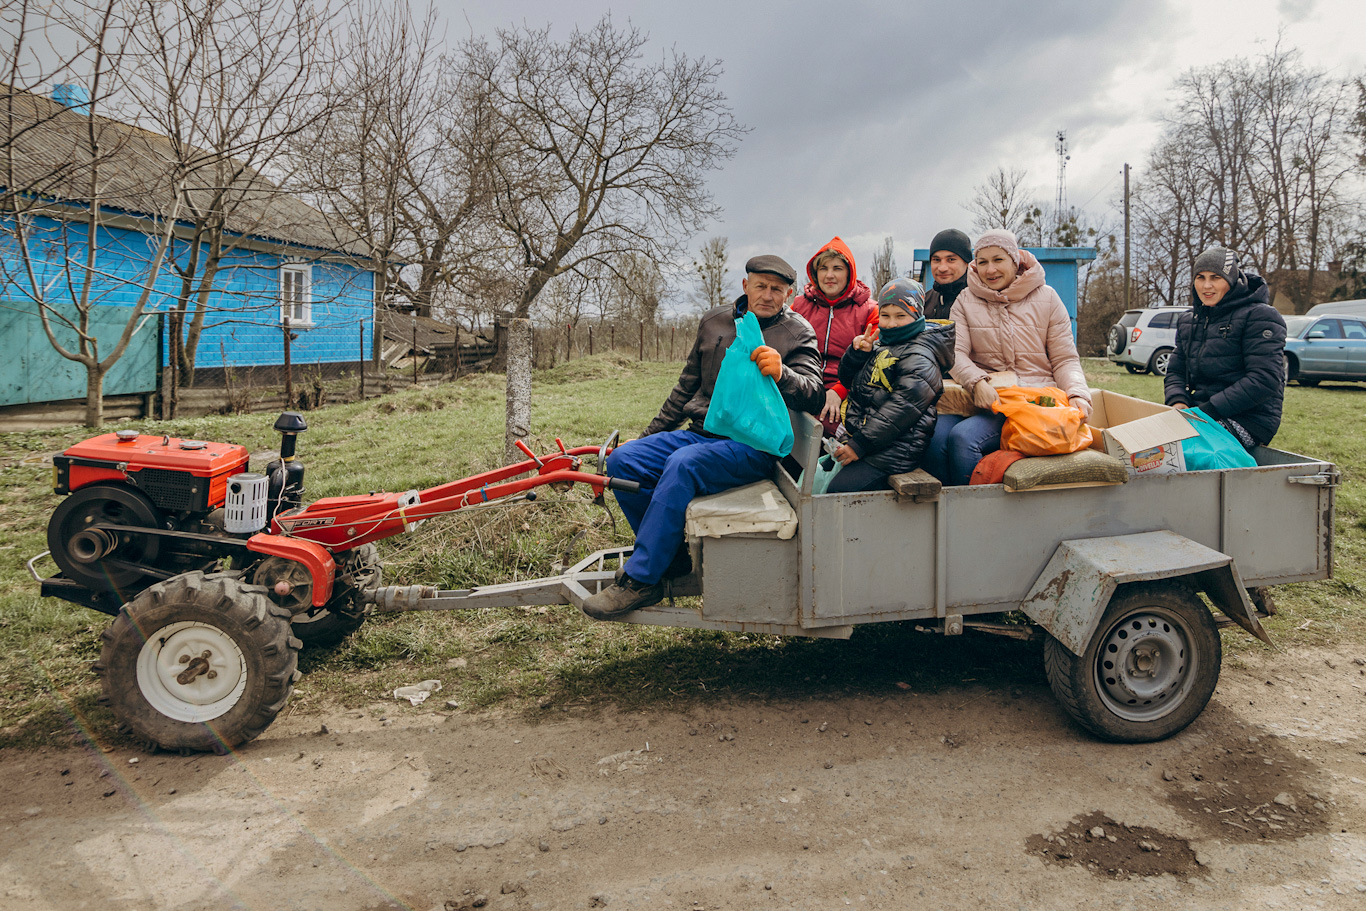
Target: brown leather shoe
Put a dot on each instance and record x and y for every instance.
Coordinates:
(619, 599)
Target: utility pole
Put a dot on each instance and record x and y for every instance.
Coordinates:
(1126, 235)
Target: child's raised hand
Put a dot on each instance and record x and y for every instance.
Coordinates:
(862, 343)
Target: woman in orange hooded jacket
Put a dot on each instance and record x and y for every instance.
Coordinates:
(838, 306)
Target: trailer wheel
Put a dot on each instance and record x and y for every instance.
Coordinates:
(1149, 669)
(342, 615)
(198, 663)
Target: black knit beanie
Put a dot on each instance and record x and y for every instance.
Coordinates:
(952, 241)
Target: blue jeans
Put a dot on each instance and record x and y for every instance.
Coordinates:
(959, 443)
(674, 467)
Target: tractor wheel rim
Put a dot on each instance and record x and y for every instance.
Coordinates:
(191, 671)
(1145, 665)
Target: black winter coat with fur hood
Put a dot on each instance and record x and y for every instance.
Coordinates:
(1229, 359)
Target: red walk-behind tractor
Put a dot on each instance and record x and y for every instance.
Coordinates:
(217, 576)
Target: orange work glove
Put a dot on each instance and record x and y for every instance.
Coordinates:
(769, 360)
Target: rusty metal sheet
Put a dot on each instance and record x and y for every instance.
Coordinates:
(1069, 596)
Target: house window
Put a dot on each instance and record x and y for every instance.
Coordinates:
(296, 295)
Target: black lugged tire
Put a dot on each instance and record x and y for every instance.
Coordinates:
(342, 615)
(198, 663)
(1149, 669)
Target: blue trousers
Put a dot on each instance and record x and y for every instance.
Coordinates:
(959, 443)
(672, 468)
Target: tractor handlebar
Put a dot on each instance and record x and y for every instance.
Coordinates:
(623, 485)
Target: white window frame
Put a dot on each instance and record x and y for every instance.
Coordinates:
(296, 280)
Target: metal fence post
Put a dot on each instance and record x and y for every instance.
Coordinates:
(414, 352)
(289, 367)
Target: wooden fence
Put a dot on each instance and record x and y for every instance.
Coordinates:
(639, 340)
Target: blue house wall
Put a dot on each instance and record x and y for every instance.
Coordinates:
(243, 324)
(1061, 266)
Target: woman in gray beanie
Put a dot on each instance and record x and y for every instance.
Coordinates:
(1229, 359)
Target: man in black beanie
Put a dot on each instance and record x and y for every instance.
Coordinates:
(950, 253)
(674, 465)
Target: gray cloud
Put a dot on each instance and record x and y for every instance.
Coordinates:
(878, 117)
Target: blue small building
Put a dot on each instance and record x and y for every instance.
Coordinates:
(283, 263)
(1061, 266)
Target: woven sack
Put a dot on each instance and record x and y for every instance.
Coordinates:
(1084, 466)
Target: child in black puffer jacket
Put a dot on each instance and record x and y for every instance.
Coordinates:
(1229, 359)
(894, 381)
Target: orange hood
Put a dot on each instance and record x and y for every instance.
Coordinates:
(842, 249)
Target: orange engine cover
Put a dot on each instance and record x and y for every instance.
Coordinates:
(178, 475)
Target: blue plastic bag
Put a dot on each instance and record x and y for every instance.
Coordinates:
(1215, 447)
(746, 406)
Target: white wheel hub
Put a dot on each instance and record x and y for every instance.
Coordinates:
(191, 671)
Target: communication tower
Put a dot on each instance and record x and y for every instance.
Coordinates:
(1060, 206)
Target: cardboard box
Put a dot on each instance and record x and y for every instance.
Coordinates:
(1145, 436)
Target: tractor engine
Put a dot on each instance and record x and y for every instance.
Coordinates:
(143, 508)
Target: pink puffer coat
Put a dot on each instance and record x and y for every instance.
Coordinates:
(1024, 328)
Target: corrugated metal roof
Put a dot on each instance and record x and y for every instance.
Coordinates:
(432, 335)
(52, 155)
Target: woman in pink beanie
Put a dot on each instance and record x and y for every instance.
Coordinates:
(1006, 319)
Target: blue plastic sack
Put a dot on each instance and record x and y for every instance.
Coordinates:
(1215, 447)
(746, 406)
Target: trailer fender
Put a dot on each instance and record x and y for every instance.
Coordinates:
(315, 557)
(1070, 595)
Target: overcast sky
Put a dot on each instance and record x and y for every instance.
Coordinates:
(875, 118)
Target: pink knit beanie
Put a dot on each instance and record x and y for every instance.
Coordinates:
(999, 237)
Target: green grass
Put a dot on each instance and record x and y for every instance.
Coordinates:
(541, 659)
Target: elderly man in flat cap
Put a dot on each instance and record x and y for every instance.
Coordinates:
(674, 465)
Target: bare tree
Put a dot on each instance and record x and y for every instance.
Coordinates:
(1001, 202)
(636, 288)
(62, 195)
(597, 151)
(884, 265)
(230, 85)
(710, 268)
(1255, 157)
(404, 163)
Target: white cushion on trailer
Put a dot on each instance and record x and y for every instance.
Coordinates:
(753, 509)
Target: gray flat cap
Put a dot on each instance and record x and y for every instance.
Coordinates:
(769, 264)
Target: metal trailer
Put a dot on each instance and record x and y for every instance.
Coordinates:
(1128, 583)
(1112, 574)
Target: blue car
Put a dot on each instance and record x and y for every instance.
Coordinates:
(1325, 346)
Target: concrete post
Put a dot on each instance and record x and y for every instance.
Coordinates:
(518, 335)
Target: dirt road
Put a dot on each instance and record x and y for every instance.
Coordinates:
(966, 798)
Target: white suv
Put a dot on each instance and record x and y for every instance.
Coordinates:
(1143, 340)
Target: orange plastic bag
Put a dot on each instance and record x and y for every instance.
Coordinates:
(1039, 422)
